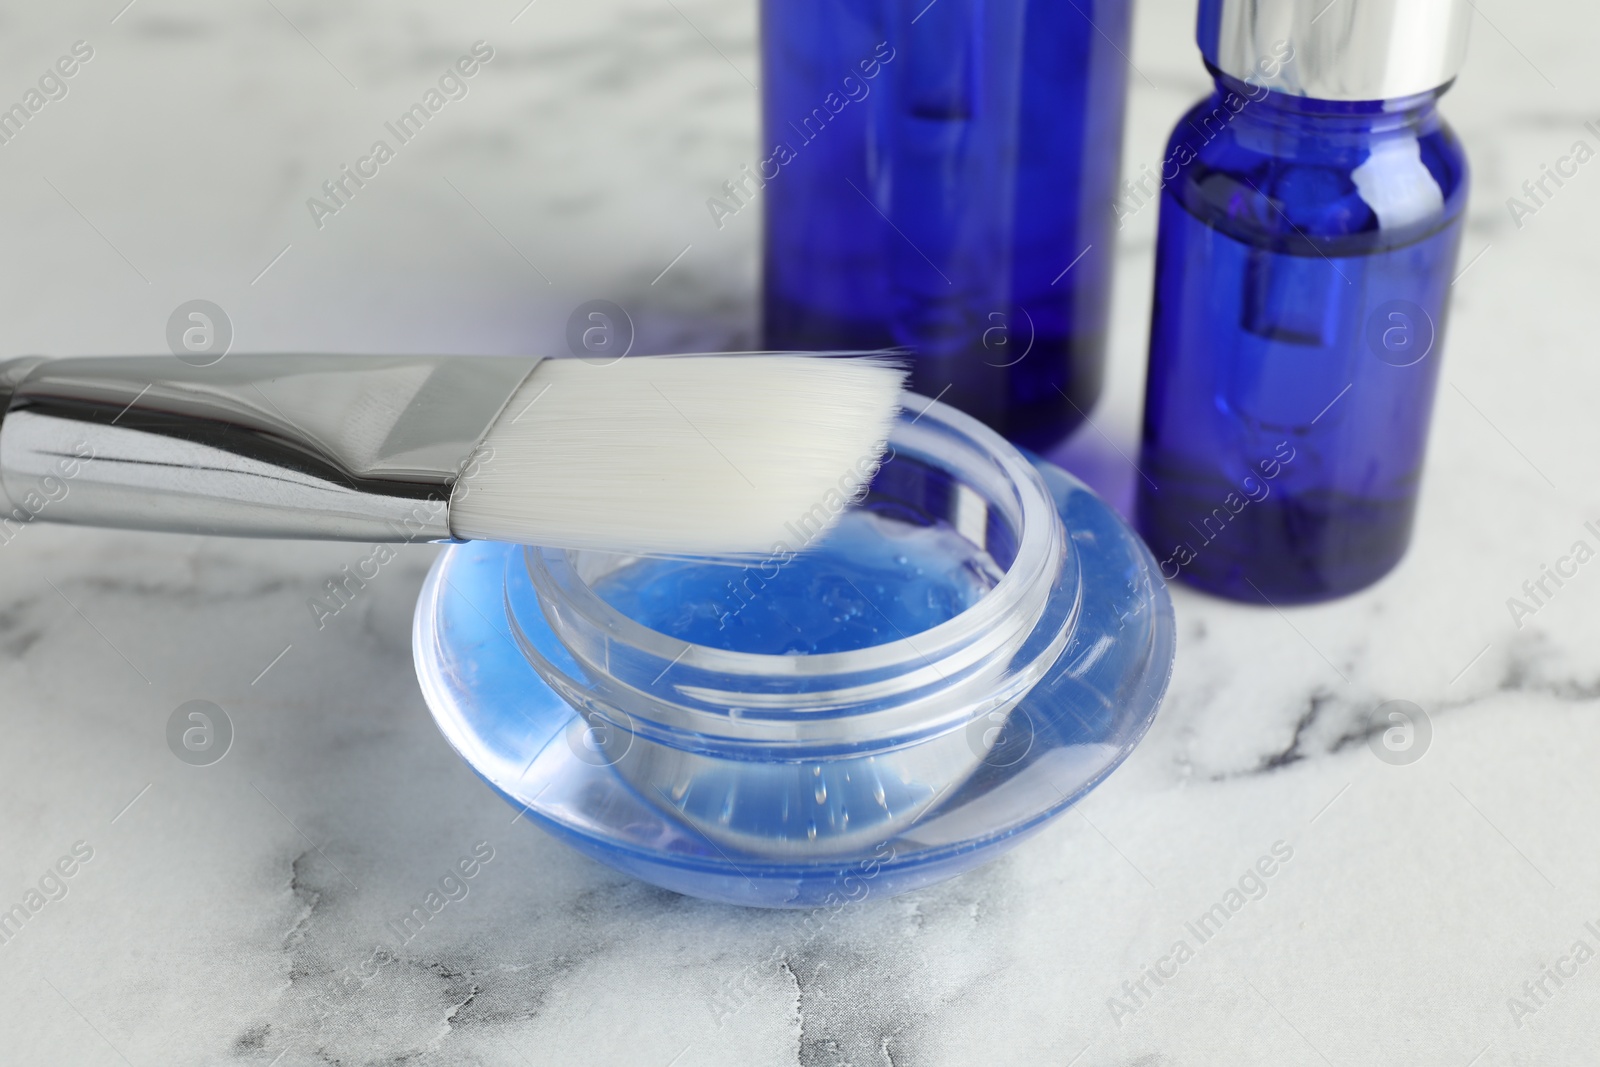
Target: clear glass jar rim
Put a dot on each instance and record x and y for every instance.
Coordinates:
(1040, 542)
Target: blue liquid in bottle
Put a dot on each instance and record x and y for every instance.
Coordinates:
(940, 177)
(1303, 273)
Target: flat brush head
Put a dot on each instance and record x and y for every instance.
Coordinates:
(680, 455)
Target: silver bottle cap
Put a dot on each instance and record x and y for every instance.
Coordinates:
(1337, 49)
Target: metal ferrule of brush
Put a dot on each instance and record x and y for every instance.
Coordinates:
(335, 447)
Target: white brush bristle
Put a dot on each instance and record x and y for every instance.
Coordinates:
(682, 455)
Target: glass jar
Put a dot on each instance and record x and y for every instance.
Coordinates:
(977, 643)
(940, 176)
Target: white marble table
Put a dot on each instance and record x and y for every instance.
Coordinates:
(229, 913)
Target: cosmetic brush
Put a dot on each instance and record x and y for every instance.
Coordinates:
(665, 454)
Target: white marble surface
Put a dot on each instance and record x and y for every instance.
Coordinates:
(223, 913)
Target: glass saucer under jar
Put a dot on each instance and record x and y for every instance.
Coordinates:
(978, 642)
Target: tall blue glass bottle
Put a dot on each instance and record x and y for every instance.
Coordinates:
(1310, 219)
(940, 176)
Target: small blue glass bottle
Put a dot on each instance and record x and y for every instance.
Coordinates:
(940, 176)
(1311, 213)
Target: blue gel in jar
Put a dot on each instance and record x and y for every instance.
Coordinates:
(977, 642)
(872, 579)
